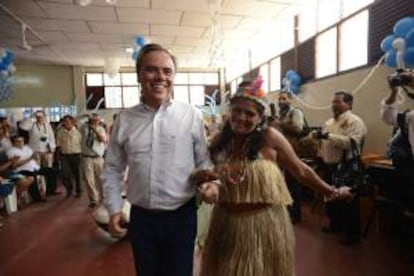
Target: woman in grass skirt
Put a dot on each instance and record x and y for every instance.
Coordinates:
(250, 231)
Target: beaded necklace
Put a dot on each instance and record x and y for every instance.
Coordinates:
(232, 173)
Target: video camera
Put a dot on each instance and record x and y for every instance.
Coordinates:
(397, 79)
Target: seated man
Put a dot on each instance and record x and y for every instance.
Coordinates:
(25, 167)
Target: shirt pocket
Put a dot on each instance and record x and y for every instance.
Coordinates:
(183, 153)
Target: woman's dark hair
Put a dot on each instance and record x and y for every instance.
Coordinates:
(254, 141)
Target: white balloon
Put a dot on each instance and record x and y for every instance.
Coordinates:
(84, 3)
(111, 2)
(399, 44)
(101, 215)
(11, 68)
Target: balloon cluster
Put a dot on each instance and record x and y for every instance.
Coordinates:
(291, 82)
(6, 69)
(399, 46)
(6, 62)
(211, 101)
(139, 42)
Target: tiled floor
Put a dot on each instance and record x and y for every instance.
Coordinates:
(59, 237)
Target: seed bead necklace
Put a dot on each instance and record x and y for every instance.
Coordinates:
(233, 173)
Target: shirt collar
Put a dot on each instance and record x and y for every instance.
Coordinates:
(144, 107)
(343, 115)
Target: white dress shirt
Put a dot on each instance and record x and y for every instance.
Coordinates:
(37, 132)
(161, 149)
(5, 144)
(346, 126)
(24, 153)
(389, 113)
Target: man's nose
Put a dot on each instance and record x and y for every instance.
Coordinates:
(160, 74)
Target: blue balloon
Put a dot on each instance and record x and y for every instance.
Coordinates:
(295, 79)
(409, 39)
(295, 89)
(140, 40)
(386, 43)
(290, 73)
(391, 58)
(409, 57)
(3, 66)
(135, 55)
(403, 26)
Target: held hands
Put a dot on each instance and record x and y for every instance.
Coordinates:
(342, 193)
(116, 228)
(208, 185)
(209, 191)
(319, 135)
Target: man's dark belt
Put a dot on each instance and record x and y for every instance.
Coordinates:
(90, 156)
(189, 204)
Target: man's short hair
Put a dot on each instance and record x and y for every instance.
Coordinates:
(151, 48)
(69, 117)
(347, 97)
(288, 94)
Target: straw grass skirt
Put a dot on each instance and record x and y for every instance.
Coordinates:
(251, 243)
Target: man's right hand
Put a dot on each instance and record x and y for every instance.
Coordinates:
(115, 226)
(319, 134)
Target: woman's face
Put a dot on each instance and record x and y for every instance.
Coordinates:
(244, 116)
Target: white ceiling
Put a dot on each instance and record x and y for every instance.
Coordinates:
(66, 33)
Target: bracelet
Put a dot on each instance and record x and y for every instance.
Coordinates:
(335, 193)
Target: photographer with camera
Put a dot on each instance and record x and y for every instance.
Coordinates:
(93, 146)
(42, 142)
(402, 79)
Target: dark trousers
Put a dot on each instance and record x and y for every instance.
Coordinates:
(50, 175)
(403, 189)
(71, 170)
(295, 189)
(343, 216)
(163, 241)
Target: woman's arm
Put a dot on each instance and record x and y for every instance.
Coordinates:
(296, 167)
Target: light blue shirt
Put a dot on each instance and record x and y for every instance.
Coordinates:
(161, 148)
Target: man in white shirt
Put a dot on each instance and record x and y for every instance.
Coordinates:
(335, 137)
(26, 168)
(42, 140)
(161, 141)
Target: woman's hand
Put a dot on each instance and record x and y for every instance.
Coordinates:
(341, 193)
(209, 191)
